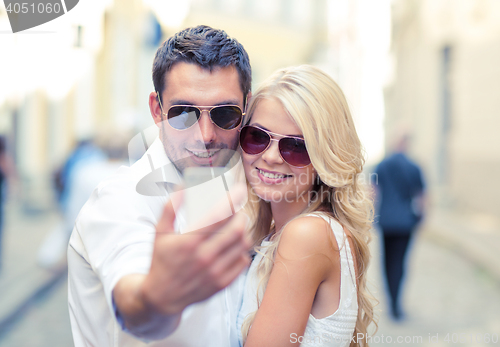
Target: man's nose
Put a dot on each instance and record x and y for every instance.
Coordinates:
(207, 128)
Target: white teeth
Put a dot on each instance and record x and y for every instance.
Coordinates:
(204, 154)
(271, 175)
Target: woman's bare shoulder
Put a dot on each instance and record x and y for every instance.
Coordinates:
(305, 236)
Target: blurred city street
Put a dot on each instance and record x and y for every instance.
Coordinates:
(33, 305)
(76, 89)
(47, 322)
(449, 294)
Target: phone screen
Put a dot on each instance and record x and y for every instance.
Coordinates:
(209, 188)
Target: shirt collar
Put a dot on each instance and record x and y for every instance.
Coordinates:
(158, 160)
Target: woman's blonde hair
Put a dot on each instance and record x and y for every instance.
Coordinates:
(318, 106)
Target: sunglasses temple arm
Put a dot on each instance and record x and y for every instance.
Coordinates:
(159, 101)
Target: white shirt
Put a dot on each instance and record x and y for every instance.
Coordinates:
(113, 237)
(84, 178)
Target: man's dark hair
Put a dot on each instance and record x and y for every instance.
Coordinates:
(206, 47)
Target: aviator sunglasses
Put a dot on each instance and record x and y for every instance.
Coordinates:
(182, 117)
(292, 149)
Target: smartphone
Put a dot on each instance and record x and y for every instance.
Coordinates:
(212, 194)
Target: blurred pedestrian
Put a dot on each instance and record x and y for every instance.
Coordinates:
(85, 152)
(400, 187)
(6, 171)
(85, 167)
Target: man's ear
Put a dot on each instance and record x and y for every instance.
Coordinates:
(247, 100)
(154, 108)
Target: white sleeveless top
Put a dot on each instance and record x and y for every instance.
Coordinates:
(335, 330)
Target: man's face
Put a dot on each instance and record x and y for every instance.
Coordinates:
(203, 144)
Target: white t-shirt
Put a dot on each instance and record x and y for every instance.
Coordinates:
(113, 237)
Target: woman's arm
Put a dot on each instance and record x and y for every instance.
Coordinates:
(305, 258)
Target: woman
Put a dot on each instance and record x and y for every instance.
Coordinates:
(302, 158)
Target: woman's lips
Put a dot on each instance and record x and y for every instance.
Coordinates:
(271, 177)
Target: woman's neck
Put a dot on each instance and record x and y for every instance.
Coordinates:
(284, 211)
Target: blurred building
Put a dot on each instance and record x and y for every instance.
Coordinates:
(81, 81)
(445, 87)
(346, 38)
(275, 33)
(92, 76)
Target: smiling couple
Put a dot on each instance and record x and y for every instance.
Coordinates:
(134, 282)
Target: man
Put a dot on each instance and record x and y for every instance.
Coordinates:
(400, 191)
(130, 277)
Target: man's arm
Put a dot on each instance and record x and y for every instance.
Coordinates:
(139, 319)
(185, 269)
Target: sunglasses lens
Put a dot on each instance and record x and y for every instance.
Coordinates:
(253, 140)
(294, 151)
(183, 117)
(226, 117)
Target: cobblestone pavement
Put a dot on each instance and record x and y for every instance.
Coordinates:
(445, 296)
(46, 324)
(22, 236)
(447, 300)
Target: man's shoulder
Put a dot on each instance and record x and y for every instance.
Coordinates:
(118, 198)
(122, 182)
(383, 164)
(121, 198)
(395, 160)
(128, 179)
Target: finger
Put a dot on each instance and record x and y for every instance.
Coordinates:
(167, 219)
(248, 234)
(231, 232)
(233, 271)
(231, 255)
(231, 245)
(238, 195)
(204, 286)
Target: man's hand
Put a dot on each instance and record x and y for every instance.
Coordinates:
(186, 268)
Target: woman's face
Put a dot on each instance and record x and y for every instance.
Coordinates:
(271, 178)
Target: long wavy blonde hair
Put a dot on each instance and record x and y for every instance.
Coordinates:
(319, 108)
